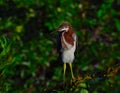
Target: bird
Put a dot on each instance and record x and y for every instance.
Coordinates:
(66, 45)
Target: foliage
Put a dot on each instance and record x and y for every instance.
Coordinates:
(28, 59)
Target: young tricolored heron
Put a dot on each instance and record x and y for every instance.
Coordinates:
(66, 45)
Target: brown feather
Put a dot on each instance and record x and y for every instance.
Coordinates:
(68, 37)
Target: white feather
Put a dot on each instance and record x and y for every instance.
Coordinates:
(68, 55)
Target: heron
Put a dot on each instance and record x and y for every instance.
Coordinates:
(66, 45)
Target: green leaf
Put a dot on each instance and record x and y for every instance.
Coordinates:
(83, 85)
(84, 91)
(118, 25)
(99, 13)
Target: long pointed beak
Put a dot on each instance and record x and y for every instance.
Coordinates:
(58, 30)
(53, 32)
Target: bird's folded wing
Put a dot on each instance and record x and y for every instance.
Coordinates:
(59, 45)
(75, 38)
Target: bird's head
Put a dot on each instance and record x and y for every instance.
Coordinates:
(65, 26)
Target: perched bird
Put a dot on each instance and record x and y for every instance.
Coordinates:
(66, 45)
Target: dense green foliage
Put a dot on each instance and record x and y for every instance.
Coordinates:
(28, 58)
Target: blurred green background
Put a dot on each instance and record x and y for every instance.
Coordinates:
(28, 58)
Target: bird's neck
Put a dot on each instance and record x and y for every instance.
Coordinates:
(68, 37)
(69, 33)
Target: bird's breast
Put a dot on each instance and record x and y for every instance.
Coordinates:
(68, 55)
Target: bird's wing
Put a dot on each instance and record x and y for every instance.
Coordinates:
(75, 38)
(59, 45)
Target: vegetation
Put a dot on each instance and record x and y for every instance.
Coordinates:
(28, 58)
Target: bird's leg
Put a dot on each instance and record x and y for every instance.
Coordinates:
(64, 69)
(70, 64)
